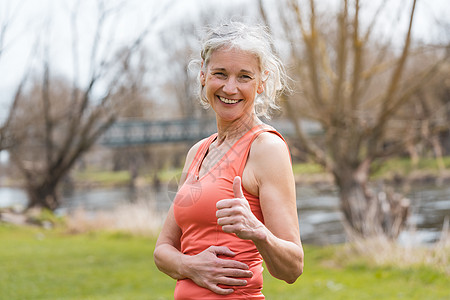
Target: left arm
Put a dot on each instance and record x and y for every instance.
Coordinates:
(268, 173)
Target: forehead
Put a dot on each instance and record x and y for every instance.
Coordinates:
(234, 59)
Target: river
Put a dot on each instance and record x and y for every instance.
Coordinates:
(318, 209)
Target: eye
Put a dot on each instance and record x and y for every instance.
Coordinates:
(219, 74)
(245, 77)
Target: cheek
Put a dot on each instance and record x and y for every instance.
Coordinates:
(211, 85)
(254, 91)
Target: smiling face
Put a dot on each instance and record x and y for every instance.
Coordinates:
(232, 80)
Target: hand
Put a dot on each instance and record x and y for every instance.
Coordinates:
(207, 270)
(235, 215)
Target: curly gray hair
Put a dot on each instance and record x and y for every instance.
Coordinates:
(254, 39)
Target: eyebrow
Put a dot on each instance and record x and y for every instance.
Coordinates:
(241, 71)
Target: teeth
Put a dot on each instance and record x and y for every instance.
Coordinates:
(228, 101)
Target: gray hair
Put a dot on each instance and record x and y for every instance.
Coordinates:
(256, 40)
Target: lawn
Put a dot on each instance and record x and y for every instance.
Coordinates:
(390, 168)
(50, 264)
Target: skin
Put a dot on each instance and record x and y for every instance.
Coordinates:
(235, 75)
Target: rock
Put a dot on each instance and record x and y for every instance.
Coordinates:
(13, 218)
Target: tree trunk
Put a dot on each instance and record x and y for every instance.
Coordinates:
(438, 153)
(412, 151)
(44, 195)
(368, 213)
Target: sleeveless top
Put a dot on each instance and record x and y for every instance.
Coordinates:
(195, 214)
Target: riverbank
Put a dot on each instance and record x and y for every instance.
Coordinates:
(101, 194)
(40, 263)
(395, 171)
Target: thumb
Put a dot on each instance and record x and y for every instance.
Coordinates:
(237, 187)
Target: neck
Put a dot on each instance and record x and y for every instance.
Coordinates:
(233, 130)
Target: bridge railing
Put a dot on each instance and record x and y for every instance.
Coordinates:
(138, 132)
(126, 133)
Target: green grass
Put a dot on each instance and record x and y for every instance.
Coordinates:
(50, 264)
(42, 264)
(404, 166)
(170, 175)
(398, 165)
(394, 166)
(103, 178)
(324, 279)
(307, 168)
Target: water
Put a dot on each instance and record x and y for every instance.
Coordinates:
(10, 197)
(319, 216)
(318, 209)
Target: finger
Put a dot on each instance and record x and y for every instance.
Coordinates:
(238, 273)
(231, 281)
(218, 290)
(221, 250)
(236, 211)
(231, 228)
(224, 203)
(237, 187)
(228, 203)
(237, 266)
(225, 221)
(223, 212)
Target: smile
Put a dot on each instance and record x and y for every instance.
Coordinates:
(228, 101)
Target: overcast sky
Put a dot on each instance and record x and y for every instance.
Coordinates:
(30, 17)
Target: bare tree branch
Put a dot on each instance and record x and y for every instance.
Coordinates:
(62, 139)
(311, 44)
(387, 111)
(343, 57)
(309, 146)
(47, 109)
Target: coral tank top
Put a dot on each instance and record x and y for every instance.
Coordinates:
(195, 214)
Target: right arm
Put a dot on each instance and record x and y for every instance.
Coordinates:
(167, 254)
(205, 268)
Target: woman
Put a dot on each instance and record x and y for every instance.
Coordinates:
(236, 203)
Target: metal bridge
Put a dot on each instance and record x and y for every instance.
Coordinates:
(137, 132)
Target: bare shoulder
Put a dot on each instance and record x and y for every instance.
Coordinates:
(269, 158)
(191, 153)
(269, 145)
(189, 159)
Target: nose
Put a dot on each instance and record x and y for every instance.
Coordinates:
(230, 86)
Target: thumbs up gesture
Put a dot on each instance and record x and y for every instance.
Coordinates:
(235, 215)
(237, 188)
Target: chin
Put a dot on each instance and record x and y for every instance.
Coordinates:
(227, 117)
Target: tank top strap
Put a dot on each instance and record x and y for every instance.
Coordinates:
(242, 148)
(204, 146)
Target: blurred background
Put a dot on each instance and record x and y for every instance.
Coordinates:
(98, 108)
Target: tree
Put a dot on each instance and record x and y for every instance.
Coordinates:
(430, 106)
(182, 80)
(352, 82)
(7, 136)
(67, 118)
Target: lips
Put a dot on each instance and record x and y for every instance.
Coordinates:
(228, 101)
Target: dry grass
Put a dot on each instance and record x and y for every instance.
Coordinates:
(380, 251)
(139, 218)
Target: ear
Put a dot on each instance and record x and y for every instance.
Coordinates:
(261, 87)
(262, 84)
(202, 78)
(202, 74)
